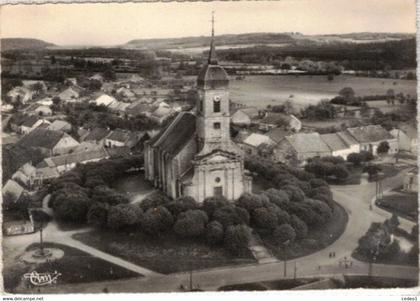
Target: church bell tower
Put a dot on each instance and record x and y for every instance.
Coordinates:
(213, 116)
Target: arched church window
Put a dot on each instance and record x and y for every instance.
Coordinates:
(216, 105)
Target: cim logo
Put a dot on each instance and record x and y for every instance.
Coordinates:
(40, 279)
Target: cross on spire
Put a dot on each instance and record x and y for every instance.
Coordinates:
(212, 53)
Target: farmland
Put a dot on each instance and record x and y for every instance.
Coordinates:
(266, 90)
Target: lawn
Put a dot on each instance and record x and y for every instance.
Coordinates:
(75, 267)
(165, 254)
(377, 282)
(318, 237)
(264, 90)
(284, 284)
(404, 204)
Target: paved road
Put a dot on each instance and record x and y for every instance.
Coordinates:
(355, 199)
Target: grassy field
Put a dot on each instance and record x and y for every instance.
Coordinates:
(164, 254)
(317, 239)
(404, 204)
(75, 267)
(266, 90)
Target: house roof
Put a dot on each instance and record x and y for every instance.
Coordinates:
(334, 141)
(275, 118)
(119, 135)
(13, 188)
(47, 172)
(58, 125)
(104, 99)
(308, 143)
(97, 134)
(41, 138)
(278, 134)
(348, 139)
(178, 133)
(139, 108)
(30, 121)
(118, 151)
(257, 139)
(370, 133)
(73, 158)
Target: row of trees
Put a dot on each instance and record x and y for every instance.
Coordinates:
(298, 201)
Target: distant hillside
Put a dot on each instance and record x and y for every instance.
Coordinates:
(22, 43)
(273, 39)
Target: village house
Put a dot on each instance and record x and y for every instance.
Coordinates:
(103, 100)
(300, 147)
(25, 176)
(118, 107)
(38, 109)
(274, 120)
(125, 92)
(252, 142)
(369, 137)
(162, 112)
(341, 144)
(49, 142)
(70, 94)
(121, 138)
(18, 226)
(243, 116)
(411, 181)
(6, 108)
(138, 108)
(60, 125)
(67, 162)
(96, 135)
(29, 124)
(47, 101)
(277, 134)
(406, 138)
(12, 191)
(19, 94)
(40, 84)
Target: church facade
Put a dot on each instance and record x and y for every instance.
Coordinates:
(194, 155)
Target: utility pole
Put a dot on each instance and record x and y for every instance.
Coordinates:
(398, 145)
(41, 241)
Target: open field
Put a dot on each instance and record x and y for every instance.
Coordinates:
(266, 90)
(165, 254)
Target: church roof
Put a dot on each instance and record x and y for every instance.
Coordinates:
(173, 138)
(212, 76)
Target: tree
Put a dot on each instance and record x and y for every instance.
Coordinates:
(71, 208)
(231, 215)
(249, 201)
(301, 229)
(157, 220)
(265, 218)
(284, 234)
(340, 171)
(347, 92)
(355, 158)
(121, 216)
(383, 147)
(278, 197)
(372, 170)
(182, 204)
(211, 204)
(98, 215)
(191, 223)
(237, 239)
(214, 233)
(109, 75)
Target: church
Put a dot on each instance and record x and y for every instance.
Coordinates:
(194, 155)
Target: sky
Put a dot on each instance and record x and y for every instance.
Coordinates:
(117, 23)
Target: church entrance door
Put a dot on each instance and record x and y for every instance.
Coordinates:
(218, 191)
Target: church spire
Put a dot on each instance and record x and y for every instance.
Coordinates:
(212, 53)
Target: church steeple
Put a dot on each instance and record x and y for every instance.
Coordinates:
(212, 53)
